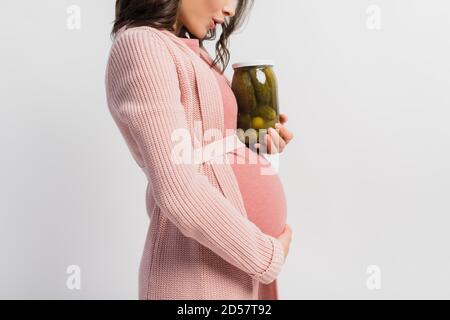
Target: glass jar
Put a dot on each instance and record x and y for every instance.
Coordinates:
(255, 86)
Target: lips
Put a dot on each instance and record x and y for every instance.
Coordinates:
(214, 22)
(218, 21)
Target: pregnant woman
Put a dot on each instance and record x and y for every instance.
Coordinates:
(217, 228)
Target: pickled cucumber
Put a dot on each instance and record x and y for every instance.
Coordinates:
(249, 136)
(272, 82)
(243, 121)
(271, 123)
(265, 111)
(243, 90)
(258, 123)
(255, 89)
(261, 85)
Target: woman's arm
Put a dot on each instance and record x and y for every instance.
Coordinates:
(144, 88)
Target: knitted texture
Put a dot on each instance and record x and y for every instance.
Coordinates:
(200, 244)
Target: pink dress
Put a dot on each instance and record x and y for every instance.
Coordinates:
(263, 194)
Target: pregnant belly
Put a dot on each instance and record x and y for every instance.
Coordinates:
(262, 191)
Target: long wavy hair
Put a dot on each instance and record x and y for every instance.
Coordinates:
(162, 14)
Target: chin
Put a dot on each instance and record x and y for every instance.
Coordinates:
(200, 32)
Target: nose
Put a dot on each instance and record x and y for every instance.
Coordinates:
(229, 10)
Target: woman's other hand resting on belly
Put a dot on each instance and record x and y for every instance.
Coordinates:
(286, 238)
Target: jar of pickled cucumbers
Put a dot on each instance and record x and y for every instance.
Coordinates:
(255, 86)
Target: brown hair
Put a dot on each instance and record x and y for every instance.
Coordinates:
(162, 14)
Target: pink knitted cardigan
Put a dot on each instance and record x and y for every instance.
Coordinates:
(200, 244)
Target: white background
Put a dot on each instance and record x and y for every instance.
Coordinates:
(366, 177)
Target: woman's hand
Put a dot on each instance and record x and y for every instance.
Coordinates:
(286, 238)
(277, 139)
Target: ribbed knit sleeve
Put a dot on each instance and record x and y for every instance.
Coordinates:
(143, 87)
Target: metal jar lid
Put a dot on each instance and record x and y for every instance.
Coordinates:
(253, 63)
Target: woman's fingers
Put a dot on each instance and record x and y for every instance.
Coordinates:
(277, 139)
(284, 133)
(276, 142)
(286, 238)
(288, 230)
(272, 141)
